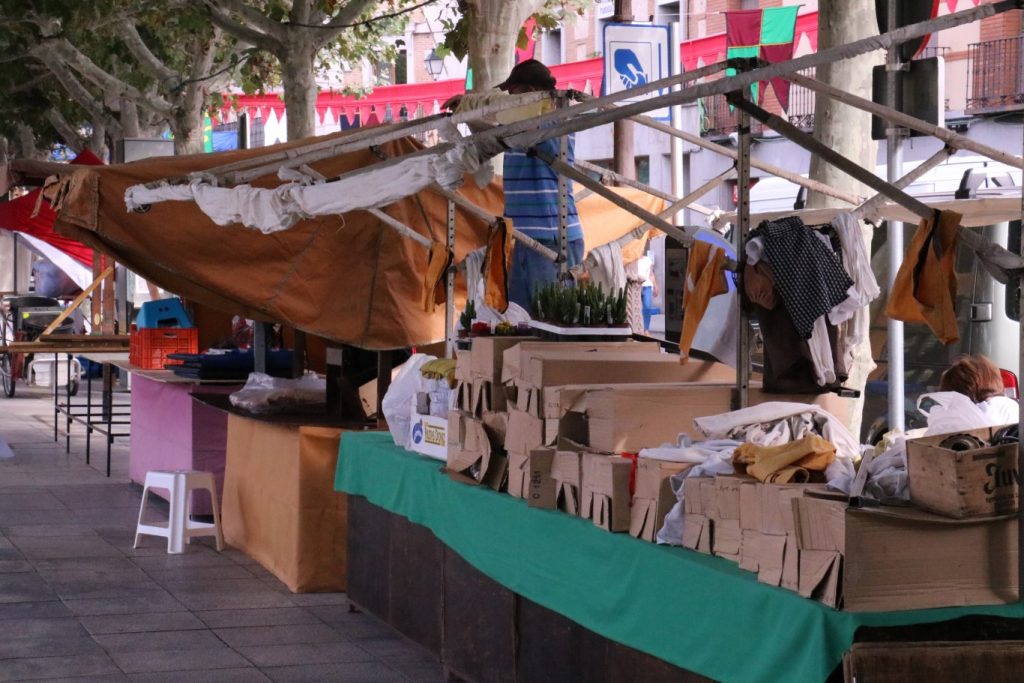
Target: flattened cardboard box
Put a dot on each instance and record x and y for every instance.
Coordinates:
(697, 533)
(886, 559)
(513, 358)
(653, 496)
(473, 456)
(606, 491)
(518, 475)
(463, 366)
(974, 483)
(567, 471)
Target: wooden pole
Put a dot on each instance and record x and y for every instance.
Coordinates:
(609, 176)
(743, 229)
(77, 301)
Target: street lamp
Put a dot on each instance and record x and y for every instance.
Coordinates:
(434, 64)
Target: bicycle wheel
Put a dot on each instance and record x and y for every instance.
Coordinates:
(7, 374)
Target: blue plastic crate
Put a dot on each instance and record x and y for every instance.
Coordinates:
(163, 313)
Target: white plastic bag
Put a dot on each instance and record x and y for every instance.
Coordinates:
(951, 411)
(265, 394)
(400, 399)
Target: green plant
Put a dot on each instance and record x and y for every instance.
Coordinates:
(582, 304)
(466, 318)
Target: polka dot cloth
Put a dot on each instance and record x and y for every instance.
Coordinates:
(809, 276)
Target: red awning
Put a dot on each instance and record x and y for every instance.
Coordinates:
(16, 216)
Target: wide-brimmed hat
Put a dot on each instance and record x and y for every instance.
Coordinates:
(531, 73)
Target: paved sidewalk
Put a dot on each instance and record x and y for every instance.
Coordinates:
(77, 603)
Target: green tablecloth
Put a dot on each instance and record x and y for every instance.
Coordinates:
(698, 612)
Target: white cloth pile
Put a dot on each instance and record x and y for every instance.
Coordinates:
(768, 424)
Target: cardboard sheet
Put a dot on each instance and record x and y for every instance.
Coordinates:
(279, 506)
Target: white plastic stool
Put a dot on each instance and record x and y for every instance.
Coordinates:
(180, 528)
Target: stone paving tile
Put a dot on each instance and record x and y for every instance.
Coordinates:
(58, 567)
(47, 530)
(320, 599)
(194, 556)
(354, 626)
(66, 627)
(396, 649)
(274, 616)
(49, 549)
(97, 496)
(431, 672)
(295, 655)
(46, 646)
(141, 623)
(52, 609)
(278, 635)
(49, 668)
(157, 601)
(30, 501)
(240, 675)
(174, 641)
(18, 516)
(24, 588)
(210, 659)
(360, 672)
(199, 574)
(15, 566)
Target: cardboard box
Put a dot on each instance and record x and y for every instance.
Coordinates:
(463, 366)
(624, 420)
(473, 454)
(567, 471)
(961, 484)
(693, 500)
(885, 559)
(605, 498)
(750, 549)
(513, 358)
(653, 496)
(697, 533)
(518, 475)
(429, 435)
(542, 493)
(723, 503)
(527, 367)
(524, 433)
(725, 542)
(487, 354)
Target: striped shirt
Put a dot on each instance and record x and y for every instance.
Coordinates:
(531, 194)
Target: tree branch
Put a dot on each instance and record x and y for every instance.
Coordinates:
(78, 92)
(71, 136)
(253, 26)
(81, 63)
(145, 56)
(348, 15)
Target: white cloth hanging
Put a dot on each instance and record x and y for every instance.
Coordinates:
(604, 264)
(857, 263)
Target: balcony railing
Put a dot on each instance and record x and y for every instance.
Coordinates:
(996, 76)
(717, 120)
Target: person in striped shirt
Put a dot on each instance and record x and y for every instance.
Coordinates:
(531, 194)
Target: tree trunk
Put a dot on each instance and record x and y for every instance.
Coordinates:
(848, 131)
(494, 28)
(188, 133)
(299, 89)
(129, 118)
(98, 143)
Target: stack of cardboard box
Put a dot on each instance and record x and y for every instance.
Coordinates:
(802, 538)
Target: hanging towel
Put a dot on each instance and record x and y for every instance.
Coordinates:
(437, 265)
(924, 290)
(496, 264)
(704, 279)
(605, 266)
(785, 463)
(474, 275)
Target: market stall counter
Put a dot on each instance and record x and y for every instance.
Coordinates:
(702, 614)
(278, 505)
